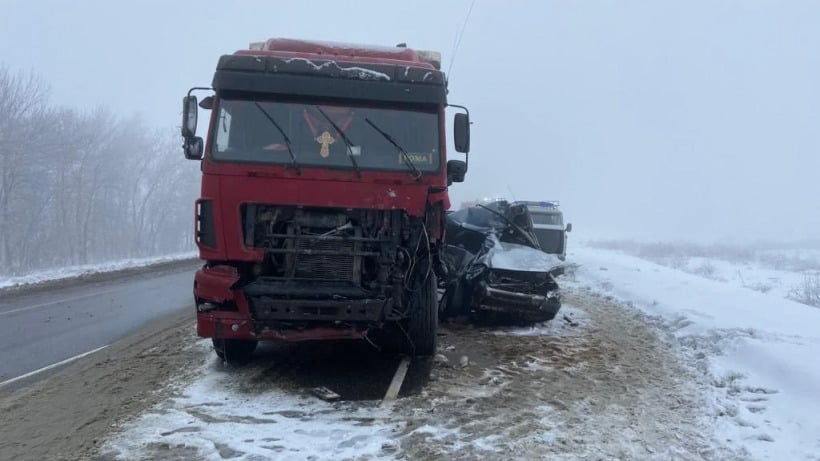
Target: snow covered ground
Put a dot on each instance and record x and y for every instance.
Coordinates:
(752, 275)
(653, 363)
(88, 269)
(217, 417)
(779, 271)
(603, 386)
(758, 352)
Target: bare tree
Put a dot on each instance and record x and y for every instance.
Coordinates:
(79, 188)
(22, 106)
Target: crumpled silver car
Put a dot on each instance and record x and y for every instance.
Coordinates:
(495, 268)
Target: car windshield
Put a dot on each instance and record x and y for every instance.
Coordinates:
(554, 219)
(259, 132)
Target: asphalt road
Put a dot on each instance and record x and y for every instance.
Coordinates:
(47, 326)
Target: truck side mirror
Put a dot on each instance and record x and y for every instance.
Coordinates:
(456, 170)
(193, 148)
(569, 227)
(461, 133)
(189, 115)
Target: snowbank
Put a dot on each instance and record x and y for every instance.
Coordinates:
(758, 351)
(88, 269)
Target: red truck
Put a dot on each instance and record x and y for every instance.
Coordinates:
(324, 195)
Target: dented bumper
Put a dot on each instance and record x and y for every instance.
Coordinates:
(523, 300)
(525, 306)
(226, 310)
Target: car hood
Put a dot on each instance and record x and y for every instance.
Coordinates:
(516, 257)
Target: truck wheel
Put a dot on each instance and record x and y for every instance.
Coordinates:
(234, 351)
(424, 318)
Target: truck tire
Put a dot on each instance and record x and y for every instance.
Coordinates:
(423, 324)
(234, 351)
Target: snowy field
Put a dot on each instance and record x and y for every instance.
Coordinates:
(792, 273)
(88, 269)
(758, 351)
(652, 363)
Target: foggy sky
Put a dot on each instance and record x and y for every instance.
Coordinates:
(648, 120)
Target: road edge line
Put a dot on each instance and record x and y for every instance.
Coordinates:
(53, 365)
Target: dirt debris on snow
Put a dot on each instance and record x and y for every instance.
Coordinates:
(610, 387)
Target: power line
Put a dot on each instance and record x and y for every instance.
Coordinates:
(459, 36)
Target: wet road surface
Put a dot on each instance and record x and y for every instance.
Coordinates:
(44, 327)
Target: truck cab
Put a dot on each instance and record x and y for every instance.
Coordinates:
(324, 194)
(548, 224)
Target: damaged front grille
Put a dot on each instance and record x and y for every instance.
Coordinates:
(357, 247)
(522, 281)
(323, 265)
(326, 264)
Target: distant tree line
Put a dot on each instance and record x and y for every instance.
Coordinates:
(85, 187)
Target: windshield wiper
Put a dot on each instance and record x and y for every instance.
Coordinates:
(346, 140)
(284, 136)
(516, 227)
(404, 154)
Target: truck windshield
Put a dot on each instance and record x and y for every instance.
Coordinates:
(554, 219)
(244, 133)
